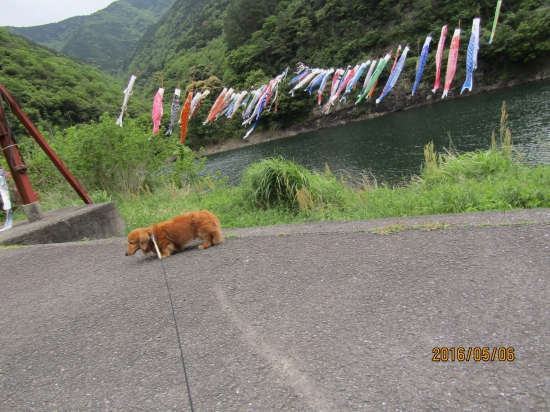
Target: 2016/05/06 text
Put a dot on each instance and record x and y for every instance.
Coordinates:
(477, 354)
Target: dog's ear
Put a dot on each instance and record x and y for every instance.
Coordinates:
(144, 238)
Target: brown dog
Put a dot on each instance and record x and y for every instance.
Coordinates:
(174, 234)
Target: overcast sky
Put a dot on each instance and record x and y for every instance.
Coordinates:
(22, 13)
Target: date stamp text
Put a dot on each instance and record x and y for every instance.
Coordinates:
(477, 354)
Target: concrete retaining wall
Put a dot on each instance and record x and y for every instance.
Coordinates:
(95, 221)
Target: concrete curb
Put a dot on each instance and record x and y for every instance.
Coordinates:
(95, 221)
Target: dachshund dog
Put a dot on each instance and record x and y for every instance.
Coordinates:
(172, 236)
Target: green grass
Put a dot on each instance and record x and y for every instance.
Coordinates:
(470, 182)
(464, 183)
(12, 247)
(386, 230)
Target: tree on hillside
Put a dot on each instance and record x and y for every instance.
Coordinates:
(245, 17)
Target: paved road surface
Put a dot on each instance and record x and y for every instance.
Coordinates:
(313, 317)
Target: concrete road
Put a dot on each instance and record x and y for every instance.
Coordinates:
(329, 316)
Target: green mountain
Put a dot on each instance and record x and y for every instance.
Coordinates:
(104, 38)
(53, 35)
(55, 90)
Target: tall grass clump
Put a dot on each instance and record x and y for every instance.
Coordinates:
(276, 182)
(504, 133)
(493, 179)
(457, 168)
(452, 168)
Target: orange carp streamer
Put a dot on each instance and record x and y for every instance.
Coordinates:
(371, 92)
(184, 118)
(216, 107)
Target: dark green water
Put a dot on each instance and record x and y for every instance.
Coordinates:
(391, 147)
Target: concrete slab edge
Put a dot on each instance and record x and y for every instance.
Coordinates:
(492, 218)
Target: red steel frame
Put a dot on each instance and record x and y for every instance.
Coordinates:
(15, 162)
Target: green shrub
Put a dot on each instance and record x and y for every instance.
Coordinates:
(276, 182)
(106, 157)
(186, 168)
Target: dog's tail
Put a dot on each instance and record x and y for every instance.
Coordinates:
(217, 235)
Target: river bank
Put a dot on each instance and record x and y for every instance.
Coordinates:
(345, 113)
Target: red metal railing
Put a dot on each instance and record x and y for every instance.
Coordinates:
(13, 157)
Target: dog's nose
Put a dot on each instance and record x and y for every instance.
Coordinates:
(126, 254)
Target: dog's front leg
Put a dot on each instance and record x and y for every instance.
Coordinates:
(168, 250)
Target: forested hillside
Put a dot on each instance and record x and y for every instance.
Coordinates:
(103, 39)
(52, 35)
(182, 18)
(272, 34)
(238, 43)
(55, 90)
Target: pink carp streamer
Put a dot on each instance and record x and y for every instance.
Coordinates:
(157, 110)
(333, 89)
(339, 87)
(439, 57)
(451, 63)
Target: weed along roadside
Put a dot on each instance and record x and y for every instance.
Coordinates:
(147, 189)
(385, 230)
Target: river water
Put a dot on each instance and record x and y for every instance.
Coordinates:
(390, 147)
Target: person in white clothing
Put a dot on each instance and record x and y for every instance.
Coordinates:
(5, 195)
